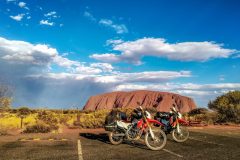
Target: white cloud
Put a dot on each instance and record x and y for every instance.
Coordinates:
(142, 77)
(49, 14)
(42, 55)
(133, 51)
(24, 52)
(11, 0)
(107, 57)
(65, 62)
(89, 16)
(21, 4)
(83, 70)
(46, 22)
(41, 75)
(18, 17)
(119, 28)
(114, 42)
(106, 67)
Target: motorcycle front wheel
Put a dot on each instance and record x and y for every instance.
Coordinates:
(115, 140)
(182, 136)
(156, 143)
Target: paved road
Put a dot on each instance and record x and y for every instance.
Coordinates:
(199, 146)
(96, 146)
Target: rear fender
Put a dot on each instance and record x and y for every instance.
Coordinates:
(183, 121)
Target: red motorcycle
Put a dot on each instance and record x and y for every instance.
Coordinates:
(173, 123)
(154, 139)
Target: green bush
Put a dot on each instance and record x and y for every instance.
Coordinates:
(227, 106)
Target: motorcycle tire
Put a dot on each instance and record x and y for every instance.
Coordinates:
(161, 139)
(115, 140)
(180, 138)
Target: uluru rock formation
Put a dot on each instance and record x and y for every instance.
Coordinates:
(162, 101)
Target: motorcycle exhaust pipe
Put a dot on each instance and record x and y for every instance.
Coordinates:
(119, 134)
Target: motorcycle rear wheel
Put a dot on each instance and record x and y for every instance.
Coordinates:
(160, 140)
(182, 136)
(115, 140)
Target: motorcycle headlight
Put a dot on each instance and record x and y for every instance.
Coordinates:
(179, 115)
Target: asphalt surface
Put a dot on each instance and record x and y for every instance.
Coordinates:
(97, 147)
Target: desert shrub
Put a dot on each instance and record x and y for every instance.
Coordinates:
(227, 106)
(202, 114)
(38, 128)
(12, 121)
(91, 119)
(13, 110)
(9, 121)
(48, 118)
(197, 111)
(65, 119)
(96, 119)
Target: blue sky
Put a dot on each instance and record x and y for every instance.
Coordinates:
(58, 53)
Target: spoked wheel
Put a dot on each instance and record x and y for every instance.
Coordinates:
(158, 142)
(182, 135)
(115, 139)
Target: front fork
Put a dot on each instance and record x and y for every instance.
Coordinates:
(150, 129)
(151, 133)
(178, 127)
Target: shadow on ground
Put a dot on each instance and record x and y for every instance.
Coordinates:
(103, 137)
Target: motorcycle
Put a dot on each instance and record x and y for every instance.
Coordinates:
(173, 123)
(120, 130)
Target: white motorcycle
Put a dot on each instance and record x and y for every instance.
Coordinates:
(154, 139)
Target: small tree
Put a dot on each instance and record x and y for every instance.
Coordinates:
(5, 100)
(5, 103)
(227, 106)
(22, 113)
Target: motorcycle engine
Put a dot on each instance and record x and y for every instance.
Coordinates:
(133, 133)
